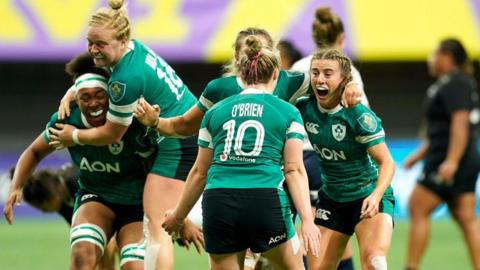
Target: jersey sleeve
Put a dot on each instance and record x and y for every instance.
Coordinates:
(368, 127)
(51, 123)
(123, 97)
(457, 95)
(295, 128)
(204, 135)
(208, 98)
(298, 85)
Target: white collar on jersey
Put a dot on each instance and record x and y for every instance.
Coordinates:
(84, 121)
(131, 47)
(330, 111)
(240, 82)
(253, 91)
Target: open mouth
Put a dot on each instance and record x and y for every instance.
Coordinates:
(321, 91)
(96, 113)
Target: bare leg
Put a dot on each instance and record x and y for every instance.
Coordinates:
(374, 237)
(463, 210)
(160, 194)
(421, 205)
(332, 246)
(230, 261)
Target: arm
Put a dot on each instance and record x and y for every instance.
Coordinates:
(98, 136)
(416, 156)
(194, 187)
(381, 155)
(184, 125)
(459, 129)
(64, 108)
(26, 164)
(297, 182)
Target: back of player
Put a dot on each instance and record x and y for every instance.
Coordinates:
(247, 133)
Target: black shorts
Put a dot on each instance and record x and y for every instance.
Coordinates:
(344, 216)
(124, 214)
(314, 173)
(464, 181)
(237, 219)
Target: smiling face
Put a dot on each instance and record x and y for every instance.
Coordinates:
(327, 80)
(93, 103)
(104, 48)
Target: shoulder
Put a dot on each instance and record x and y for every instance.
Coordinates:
(220, 83)
(362, 117)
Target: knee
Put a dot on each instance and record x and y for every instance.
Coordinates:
(377, 262)
(84, 256)
(464, 218)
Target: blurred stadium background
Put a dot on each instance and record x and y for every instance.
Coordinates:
(389, 41)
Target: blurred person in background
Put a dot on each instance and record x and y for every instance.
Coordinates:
(244, 204)
(356, 164)
(327, 32)
(54, 191)
(289, 54)
(449, 151)
(136, 71)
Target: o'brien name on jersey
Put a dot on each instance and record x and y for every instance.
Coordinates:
(247, 109)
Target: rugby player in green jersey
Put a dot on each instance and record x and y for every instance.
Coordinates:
(136, 71)
(244, 141)
(357, 167)
(111, 178)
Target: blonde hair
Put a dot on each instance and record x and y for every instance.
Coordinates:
(115, 17)
(326, 28)
(257, 62)
(232, 68)
(338, 56)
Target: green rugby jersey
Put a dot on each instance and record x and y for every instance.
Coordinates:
(116, 172)
(340, 137)
(290, 86)
(141, 72)
(247, 133)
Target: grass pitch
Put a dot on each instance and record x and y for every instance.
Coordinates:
(44, 244)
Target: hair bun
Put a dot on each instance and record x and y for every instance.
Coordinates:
(115, 4)
(253, 46)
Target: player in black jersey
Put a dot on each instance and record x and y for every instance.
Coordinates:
(449, 151)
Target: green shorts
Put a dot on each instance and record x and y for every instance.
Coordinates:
(175, 157)
(344, 216)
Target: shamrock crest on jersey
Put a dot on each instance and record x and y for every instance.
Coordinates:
(338, 131)
(117, 91)
(115, 148)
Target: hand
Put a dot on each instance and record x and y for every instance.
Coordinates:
(447, 170)
(370, 206)
(146, 113)
(191, 233)
(352, 95)
(64, 108)
(15, 197)
(311, 238)
(410, 161)
(171, 223)
(61, 134)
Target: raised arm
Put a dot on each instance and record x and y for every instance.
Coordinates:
(184, 125)
(26, 164)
